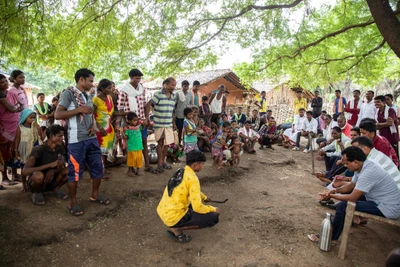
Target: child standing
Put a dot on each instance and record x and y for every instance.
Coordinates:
(133, 134)
(189, 131)
(27, 137)
(236, 148)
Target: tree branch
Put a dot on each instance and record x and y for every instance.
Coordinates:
(333, 34)
(249, 8)
(363, 56)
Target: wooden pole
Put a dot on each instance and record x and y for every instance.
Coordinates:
(310, 139)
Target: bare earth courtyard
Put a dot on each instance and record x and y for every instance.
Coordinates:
(272, 207)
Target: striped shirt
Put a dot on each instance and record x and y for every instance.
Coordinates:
(386, 163)
(379, 187)
(163, 109)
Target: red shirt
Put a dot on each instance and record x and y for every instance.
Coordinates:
(353, 111)
(383, 145)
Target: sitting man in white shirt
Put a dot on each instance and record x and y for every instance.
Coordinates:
(290, 134)
(249, 137)
(310, 126)
(326, 131)
(331, 158)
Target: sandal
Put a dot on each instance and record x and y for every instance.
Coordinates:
(9, 182)
(38, 199)
(149, 169)
(76, 210)
(182, 238)
(2, 187)
(313, 237)
(61, 194)
(158, 170)
(101, 200)
(166, 166)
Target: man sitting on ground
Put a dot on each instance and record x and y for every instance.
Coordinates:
(269, 134)
(181, 206)
(45, 167)
(368, 129)
(290, 135)
(309, 127)
(372, 188)
(331, 158)
(249, 137)
(346, 128)
(239, 117)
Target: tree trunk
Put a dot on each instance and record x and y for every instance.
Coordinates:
(387, 23)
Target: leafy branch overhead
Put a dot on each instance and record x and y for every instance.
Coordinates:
(313, 43)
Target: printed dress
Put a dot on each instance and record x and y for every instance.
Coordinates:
(103, 115)
(190, 139)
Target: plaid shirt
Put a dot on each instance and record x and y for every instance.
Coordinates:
(123, 103)
(266, 129)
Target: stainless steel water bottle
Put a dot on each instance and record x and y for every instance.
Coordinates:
(325, 234)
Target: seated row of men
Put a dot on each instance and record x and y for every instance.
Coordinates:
(371, 176)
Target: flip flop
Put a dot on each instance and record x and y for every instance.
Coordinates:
(158, 170)
(101, 200)
(182, 238)
(9, 182)
(38, 199)
(166, 166)
(313, 237)
(76, 210)
(149, 169)
(60, 194)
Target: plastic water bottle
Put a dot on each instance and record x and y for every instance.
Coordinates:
(325, 234)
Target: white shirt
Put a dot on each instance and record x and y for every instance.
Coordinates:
(327, 132)
(396, 109)
(310, 126)
(216, 104)
(298, 122)
(367, 110)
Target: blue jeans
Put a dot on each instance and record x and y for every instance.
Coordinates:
(362, 205)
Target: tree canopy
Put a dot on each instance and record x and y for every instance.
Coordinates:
(312, 44)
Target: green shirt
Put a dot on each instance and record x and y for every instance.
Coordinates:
(134, 142)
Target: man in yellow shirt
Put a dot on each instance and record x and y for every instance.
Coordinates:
(261, 102)
(181, 207)
(299, 102)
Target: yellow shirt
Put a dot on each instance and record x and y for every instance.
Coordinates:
(172, 208)
(298, 104)
(263, 104)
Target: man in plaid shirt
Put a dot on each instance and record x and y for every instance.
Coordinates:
(132, 98)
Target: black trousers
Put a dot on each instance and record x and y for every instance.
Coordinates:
(192, 218)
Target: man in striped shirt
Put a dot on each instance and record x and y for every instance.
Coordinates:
(163, 103)
(378, 157)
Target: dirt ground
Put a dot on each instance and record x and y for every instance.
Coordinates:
(272, 207)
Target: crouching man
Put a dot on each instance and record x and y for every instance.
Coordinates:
(45, 167)
(181, 206)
